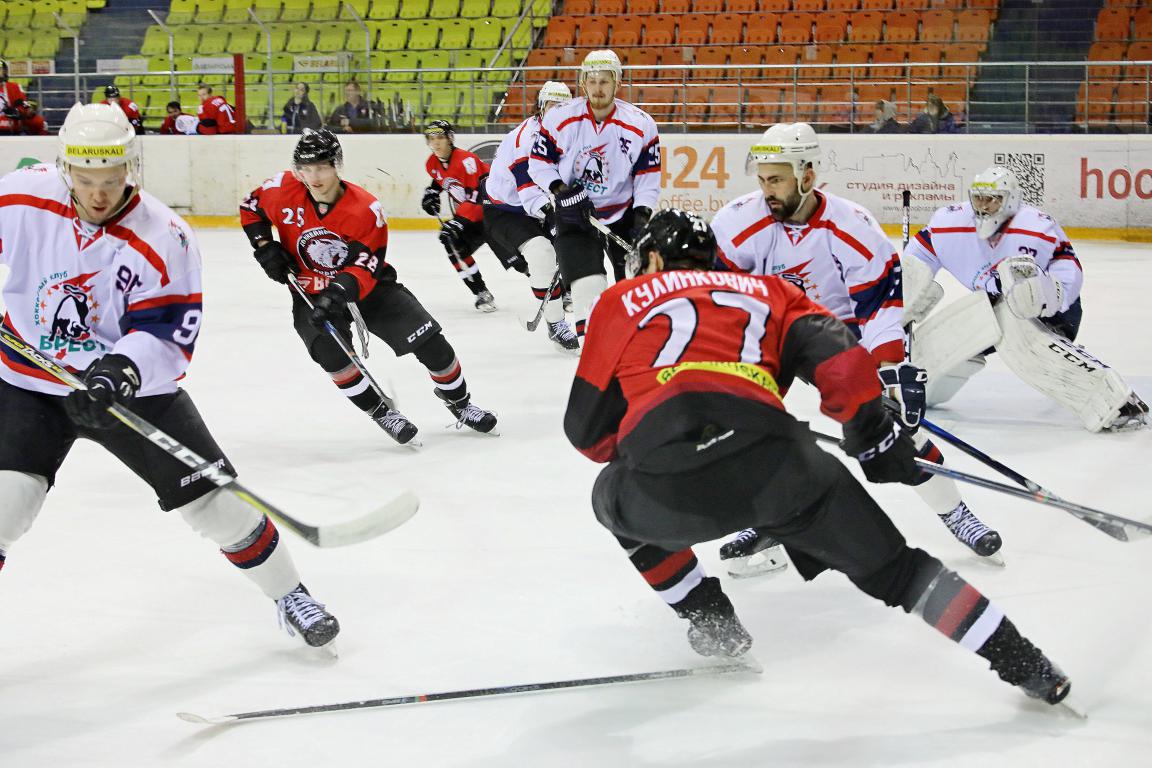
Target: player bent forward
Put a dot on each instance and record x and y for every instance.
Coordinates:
(109, 277)
(678, 389)
(1025, 304)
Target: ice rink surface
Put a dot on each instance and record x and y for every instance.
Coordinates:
(116, 616)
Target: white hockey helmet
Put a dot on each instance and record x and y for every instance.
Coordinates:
(792, 143)
(553, 91)
(97, 136)
(998, 182)
(601, 61)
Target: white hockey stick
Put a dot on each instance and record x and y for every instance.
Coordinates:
(377, 522)
(534, 323)
(628, 249)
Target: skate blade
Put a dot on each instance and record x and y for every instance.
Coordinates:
(327, 652)
(764, 563)
(993, 559)
(1073, 708)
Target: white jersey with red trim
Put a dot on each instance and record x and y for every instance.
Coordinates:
(950, 242)
(841, 258)
(78, 291)
(617, 161)
(509, 186)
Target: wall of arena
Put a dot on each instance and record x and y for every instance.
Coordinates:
(1096, 186)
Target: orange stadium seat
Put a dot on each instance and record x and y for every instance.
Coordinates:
(1113, 23)
(912, 5)
(642, 6)
(626, 30)
(780, 54)
(1105, 52)
(888, 54)
(696, 102)
(1138, 51)
(693, 29)
(592, 32)
(727, 104)
(808, 5)
(675, 6)
(773, 6)
(541, 57)
(988, 5)
(835, 104)
(762, 105)
(561, 32)
(867, 94)
(607, 7)
(842, 5)
(662, 102)
(577, 7)
(1094, 102)
(902, 27)
(947, 5)
(831, 27)
(925, 53)
(851, 54)
(642, 58)
(745, 56)
(708, 6)
(878, 5)
(799, 107)
(727, 29)
(710, 54)
(1142, 23)
(973, 26)
(812, 56)
(796, 27)
(1132, 102)
(936, 26)
(761, 28)
(742, 6)
(954, 56)
(660, 30)
(867, 27)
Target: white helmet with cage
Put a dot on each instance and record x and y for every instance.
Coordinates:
(98, 136)
(793, 143)
(553, 92)
(995, 182)
(602, 61)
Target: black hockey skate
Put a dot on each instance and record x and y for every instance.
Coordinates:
(563, 336)
(468, 415)
(1020, 663)
(395, 424)
(301, 614)
(485, 301)
(1133, 415)
(715, 629)
(753, 554)
(968, 529)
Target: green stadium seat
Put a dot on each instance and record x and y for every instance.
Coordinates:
(181, 12)
(295, 10)
(392, 35)
(19, 17)
(156, 64)
(95, 5)
(465, 60)
(185, 39)
(42, 17)
(235, 10)
(398, 60)
(327, 10)
(283, 68)
(207, 11)
(434, 66)
(474, 9)
(444, 9)
(521, 39)
(333, 37)
(487, 33)
(414, 9)
(44, 46)
(246, 38)
(214, 40)
(255, 65)
(155, 41)
(504, 60)
(424, 36)
(384, 10)
(541, 12)
(442, 103)
(454, 34)
(506, 9)
(279, 33)
(267, 10)
(302, 38)
(3, 18)
(362, 8)
(73, 12)
(307, 77)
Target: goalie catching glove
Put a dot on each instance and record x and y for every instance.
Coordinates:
(1029, 290)
(905, 390)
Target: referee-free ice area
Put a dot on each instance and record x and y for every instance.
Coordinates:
(115, 615)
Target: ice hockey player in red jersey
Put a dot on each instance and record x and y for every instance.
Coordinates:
(131, 111)
(461, 174)
(215, 113)
(108, 278)
(679, 389)
(333, 240)
(12, 100)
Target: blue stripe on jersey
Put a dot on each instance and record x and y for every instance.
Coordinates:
(520, 173)
(871, 298)
(551, 151)
(178, 323)
(649, 159)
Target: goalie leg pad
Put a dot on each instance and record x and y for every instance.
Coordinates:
(541, 258)
(21, 497)
(1061, 370)
(921, 292)
(949, 344)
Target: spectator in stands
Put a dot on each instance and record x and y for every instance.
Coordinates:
(178, 122)
(31, 121)
(129, 108)
(215, 113)
(936, 118)
(354, 115)
(300, 112)
(11, 101)
(885, 121)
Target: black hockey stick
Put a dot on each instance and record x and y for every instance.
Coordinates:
(1119, 528)
(502, 690)
(534, 323)
(345, 347)
(905, 214)
(375, 523)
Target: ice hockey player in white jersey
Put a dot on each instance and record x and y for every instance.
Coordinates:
(835, 251)
(518, 215)
(106, 279)
(1025, 303)
(598, 156)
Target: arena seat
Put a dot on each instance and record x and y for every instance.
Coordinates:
(832, 27)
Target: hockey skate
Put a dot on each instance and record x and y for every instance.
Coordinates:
(300, 614)
(469, 415)
(750, 554)
(485, 301)
(395, 424)
(715, 629)
(1133, 415)
(968, 530)
(564, 337)
(1020, 663)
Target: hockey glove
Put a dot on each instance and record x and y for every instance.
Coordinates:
(331, 304)
(431, 200)
(888, 456)
(548, 220)
(1029, 290)
(452, 237)
(641, 214)
(275, 260)
(111, 379)
(573, 206)
(904, 387)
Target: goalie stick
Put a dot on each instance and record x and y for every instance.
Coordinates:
(502, 690)
(1119, 528)
(534, 323)
(375, 523)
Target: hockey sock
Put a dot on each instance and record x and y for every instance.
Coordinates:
(938, 492)
(1011, 655)
(541, 258)
(672, 574)
(353, 385)
(475, 283)
(439, 358)
(585, 290)
(21, 497)
(3, 558)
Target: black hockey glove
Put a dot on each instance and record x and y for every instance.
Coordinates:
(275, 260)
(548, 220)
(331, 304)
(573, 206)
(886, 456)
(904, 389)
(111, 379)
(641, 214)
(431, 200)
(452, 236)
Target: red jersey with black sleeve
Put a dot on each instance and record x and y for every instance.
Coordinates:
(350, 236)
(216, 116)
(131, 111)
(11, 99)
(694, 337)
(462, 175)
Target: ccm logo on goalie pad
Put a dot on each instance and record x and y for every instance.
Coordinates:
(1076, 356)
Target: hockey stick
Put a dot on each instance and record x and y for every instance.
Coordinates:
(502, 690)
(345, 347)
(375, 523)
(628, 249)
(1119, 528)
(534, 323)
(905, 214)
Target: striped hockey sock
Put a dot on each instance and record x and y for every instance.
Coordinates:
(671, 574)
(450, 381)
(256, 548)
(958, 610)
(353, 385)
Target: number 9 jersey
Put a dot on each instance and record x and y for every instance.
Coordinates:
(77, 291)
(350, 235)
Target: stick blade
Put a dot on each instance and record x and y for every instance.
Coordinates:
(192, 717)
(376, 523)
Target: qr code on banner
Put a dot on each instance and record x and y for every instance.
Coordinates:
(1029, 170)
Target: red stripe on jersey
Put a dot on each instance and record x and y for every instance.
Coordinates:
(732, 267)
(569, 121)
(952, 230)
(625, 126)
(142, 248)
(926, 242)
(1041, 235)
(844, 237)
(162, 301)
(889, 352)
(958, 609)
(764, 223)
(53, 206)
(18, 365)
(668, 567)
(519, 133)
(647, 170)
(883, 276)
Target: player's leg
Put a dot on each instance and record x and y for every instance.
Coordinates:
(943, 497)
(617, 255)
(461, 239)
(326, 353)
(248, 539)
(580, 253)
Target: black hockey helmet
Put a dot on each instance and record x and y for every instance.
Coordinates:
(438, 128)
(683, 240)
(111, 92)
(316, 147)
(3, 70)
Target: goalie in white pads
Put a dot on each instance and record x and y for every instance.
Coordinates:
(1025, 304)
(108, 278)
(835, 251)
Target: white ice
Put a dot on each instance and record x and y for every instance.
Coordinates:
(116, 616)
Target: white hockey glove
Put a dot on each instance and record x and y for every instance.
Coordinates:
(905, 392)
(1029, 290)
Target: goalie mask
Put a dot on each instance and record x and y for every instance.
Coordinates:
(795, 144)
(995, 198)
(683, 240)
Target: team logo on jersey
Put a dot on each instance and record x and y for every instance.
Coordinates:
(321, 250)
(592, 169)
(177, 233)
(67, 310)
(799, 277)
